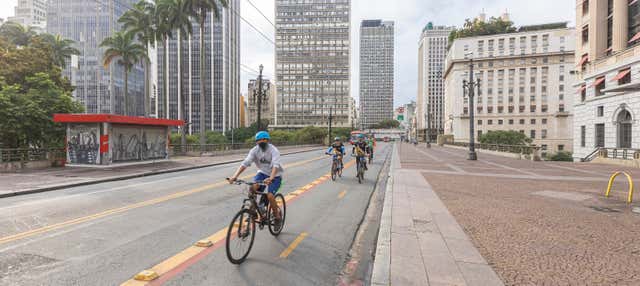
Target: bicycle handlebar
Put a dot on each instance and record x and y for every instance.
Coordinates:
(243, 182)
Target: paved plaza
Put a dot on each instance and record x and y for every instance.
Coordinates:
(536, 223)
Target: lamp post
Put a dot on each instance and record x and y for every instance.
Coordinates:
(470, 87)
(427, 132)
(259, 99)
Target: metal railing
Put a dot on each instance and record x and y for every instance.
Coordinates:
(619, 153)
(31, 154)
(227, 148)
(516, 149)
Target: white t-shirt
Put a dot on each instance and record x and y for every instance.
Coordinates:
(264, 160)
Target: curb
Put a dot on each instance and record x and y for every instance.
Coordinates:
(382, 258)
(133, 176)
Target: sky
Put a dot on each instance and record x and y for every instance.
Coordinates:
(410, 17)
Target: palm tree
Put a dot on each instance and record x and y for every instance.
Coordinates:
(139, 20)
(61, 48)
(180, 19)
(16, 33)
(199, 10)
(123, 47)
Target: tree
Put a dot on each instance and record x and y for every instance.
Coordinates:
(179, 18)
(17, 34)
(311, 134)
(505, 138)
(562, 156)
(123, 47)
(61, 48)
(139, 20)
(387, 124)
(199, 10)
(476, 27)
(26, 112)
(214, 137)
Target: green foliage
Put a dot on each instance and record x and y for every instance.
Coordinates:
(311, 134)
(548, 26)
(280, 136)
(174, 138)
(343, 132)
(26, 112)
(61, 48)
(562, 156)
(17, 34)
(215, 137)
(387, 124)
(476, 27)
(505, 138)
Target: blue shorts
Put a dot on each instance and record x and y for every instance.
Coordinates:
(273, 187)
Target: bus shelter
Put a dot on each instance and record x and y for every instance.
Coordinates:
(105, 139)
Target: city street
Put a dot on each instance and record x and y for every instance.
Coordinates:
(106, 233)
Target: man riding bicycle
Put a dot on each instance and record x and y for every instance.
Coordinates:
(267, 159)
(371, 144)
(360, 149)
(337, 149)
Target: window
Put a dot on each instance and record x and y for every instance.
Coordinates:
(479, 133)
(490, 122)
(510, 121)
(585, 35)
(583, 93)
(560, 147)
(500, 121)
(583, 135)
(585, 7)
(544, 121)
(600, 111)
(560, 107)
(624, 76)
(634, 22)
(533, 121)
(533, 134)
(521, 121)
(543, 133)
(599, 135)
(599, 85)
(479, 122)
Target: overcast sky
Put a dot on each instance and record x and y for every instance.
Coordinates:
(410, 16)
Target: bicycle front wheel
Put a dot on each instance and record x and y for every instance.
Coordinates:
(275, 227)
(334, 170)
(240, 236)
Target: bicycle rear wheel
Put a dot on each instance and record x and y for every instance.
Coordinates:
(360, 172)
(240, 236)
(276, 228)
(334, 170)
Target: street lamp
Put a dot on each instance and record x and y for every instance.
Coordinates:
(470, 87)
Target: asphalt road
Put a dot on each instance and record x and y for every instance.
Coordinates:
(104, 234)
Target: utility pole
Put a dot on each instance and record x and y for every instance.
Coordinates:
(330, 118)
(259, 99)
(428, 131)
(470, 86)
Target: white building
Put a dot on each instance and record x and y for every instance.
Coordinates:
(31, 13)
(607, 104)
(432, 52)
(525, 85)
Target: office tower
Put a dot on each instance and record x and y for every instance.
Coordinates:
(31, 13)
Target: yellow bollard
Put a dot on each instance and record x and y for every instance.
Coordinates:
(630, 195)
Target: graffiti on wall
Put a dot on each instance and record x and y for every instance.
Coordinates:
(139, 143)
(82, 144)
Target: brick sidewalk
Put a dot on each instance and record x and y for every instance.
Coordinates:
(536, 223)
(420, 243)
(32, 181)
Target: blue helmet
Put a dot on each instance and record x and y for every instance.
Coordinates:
(262, 135)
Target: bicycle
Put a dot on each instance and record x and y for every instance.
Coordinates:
(336, 167)
(242, 229)
(359, 167)
(370, 156)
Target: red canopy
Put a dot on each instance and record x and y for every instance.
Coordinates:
(597, 82)
(112, 118)
(621, 74)
(582, 88)
(635, 37)
(584, 59)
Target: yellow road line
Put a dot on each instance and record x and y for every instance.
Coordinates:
(293, 245)
(119, 210)
(192, 251)
(341, 195)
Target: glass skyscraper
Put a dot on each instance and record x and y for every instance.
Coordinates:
(87, 23)
(222, 73)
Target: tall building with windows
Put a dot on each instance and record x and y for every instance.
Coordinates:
(31, 13)
(607, 102)
(376, 71)
(432, 51)
(526, 80)
(221, 73)
(312, 62)
(87, 23)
